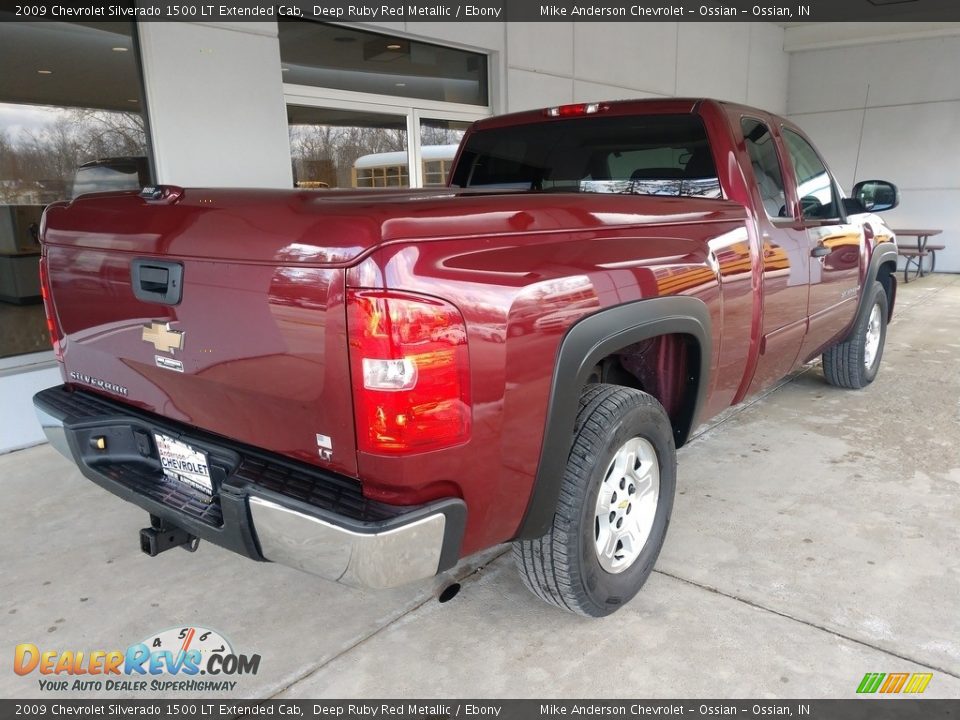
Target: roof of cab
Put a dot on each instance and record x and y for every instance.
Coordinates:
(665, 106)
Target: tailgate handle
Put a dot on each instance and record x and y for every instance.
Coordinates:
(157, 281)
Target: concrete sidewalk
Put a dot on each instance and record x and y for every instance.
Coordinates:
(814, 539)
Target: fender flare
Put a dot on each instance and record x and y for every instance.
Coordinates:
(882, 253)
(586, 343)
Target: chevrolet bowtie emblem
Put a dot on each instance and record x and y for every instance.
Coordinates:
(163, 338)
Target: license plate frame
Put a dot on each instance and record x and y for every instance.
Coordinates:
(184, 464)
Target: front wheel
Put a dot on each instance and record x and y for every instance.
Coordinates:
(854, 362)
(615, 501)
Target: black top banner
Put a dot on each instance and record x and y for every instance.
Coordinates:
(487, 10)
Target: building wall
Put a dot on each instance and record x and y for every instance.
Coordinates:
(215, 103)
(544, 64)
(215, 94)
(560, 62)
(18, 423)
(581, 62)
(889, 110)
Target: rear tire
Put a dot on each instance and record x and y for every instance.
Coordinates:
(854, 362)
(616, 497)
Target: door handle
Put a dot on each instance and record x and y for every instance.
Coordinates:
(820, 251)
(157, 281)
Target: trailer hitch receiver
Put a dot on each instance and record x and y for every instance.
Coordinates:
(162, 536)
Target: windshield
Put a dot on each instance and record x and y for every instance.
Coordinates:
(640, 155)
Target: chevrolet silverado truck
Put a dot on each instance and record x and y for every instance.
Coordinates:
(370, 385)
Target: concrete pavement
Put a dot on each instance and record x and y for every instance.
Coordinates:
(814, 539)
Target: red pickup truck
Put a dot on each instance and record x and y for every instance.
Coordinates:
(368, 386)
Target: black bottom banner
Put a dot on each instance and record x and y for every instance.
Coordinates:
(473, 709)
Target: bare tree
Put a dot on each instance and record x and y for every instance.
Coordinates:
(432, 134)
(109, 134)
(328, 152)
(37, 166)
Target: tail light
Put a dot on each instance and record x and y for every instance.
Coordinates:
(56, 335)
(409, 370)
(574, 110)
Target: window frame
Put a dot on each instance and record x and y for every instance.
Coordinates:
(412, 109)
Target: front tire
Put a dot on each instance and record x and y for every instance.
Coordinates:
(854, 362)
(616, 497)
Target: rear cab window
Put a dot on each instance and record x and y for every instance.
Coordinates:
(767, 170)
(664, 155)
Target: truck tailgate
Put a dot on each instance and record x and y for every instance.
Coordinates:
(254, 349)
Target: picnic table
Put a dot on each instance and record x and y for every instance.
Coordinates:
(913, 255)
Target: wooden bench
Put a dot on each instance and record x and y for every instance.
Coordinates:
(913, 255)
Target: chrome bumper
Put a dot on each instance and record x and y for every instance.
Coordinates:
(53, 429)
(377, 559)
(411, 546)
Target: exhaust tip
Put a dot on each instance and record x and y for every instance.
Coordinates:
(449, 593)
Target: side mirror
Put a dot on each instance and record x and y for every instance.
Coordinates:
(876, 195)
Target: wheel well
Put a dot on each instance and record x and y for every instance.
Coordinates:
(629, 333)
(664, 366)
(886, 276)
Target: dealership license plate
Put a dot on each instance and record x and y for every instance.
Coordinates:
(184, 464)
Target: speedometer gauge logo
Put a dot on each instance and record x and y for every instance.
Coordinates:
(183, 640)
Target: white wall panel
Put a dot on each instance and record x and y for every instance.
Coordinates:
(712, 60)
(585, 91)
(215, 98)
(635, 55)
(823, 80)
(931, 208)
(18, 423)
(836, 135)
(913, 72)
(767, 68)
(897, 73)
(526, 90)
(917, 146)
(819, 36)
(910, 123)
(546, 47)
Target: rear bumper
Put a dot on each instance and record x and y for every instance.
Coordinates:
(265, 507)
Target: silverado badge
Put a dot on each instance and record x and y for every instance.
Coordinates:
(163, 338)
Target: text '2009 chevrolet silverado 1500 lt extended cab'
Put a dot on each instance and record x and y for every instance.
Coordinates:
(369, 386)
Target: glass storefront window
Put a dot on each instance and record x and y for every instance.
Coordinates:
(439, 140)
(342, 58)
(394, 86)
(345, 148)
(70, 122)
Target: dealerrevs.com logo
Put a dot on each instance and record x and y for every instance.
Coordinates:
(893, 683)
(188, 659)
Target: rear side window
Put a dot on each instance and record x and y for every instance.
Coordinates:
(766, 166)
(640, 155)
